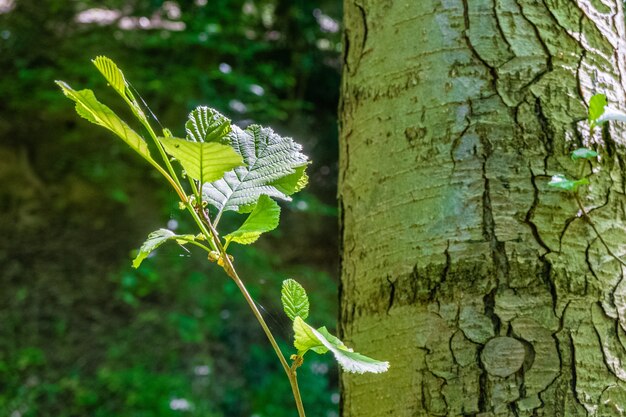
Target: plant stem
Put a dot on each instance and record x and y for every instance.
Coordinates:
(293, 379)
(232, 273)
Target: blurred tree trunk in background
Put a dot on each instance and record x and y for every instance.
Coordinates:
(478, 282)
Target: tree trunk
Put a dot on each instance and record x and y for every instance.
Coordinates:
(485, 289)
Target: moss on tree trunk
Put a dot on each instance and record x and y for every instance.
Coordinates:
(481, 285)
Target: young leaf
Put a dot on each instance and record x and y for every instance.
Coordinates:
(207, 125)
(307, 338)
(584, 153)
(115, 78)
(596, 108)
(294, 299)
(156, 239)
(268, 158)
(111, 73)
(561, 182)
(304, 339)
(88, 107)
(263, 218)
(203, 161)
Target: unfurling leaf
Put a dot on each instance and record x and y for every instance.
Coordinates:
(320, 341)
(111, 73)
(263, 218)
(561, 182)
(88, 107)
(584, 153)
(596, 108)
(115, 77)
(294, 299)
(207, 125)
(156, 239)
(203, 161)
(268, 158)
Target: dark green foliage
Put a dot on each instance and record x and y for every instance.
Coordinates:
(82, 332)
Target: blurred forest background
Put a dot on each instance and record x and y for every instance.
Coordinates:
(81, 332)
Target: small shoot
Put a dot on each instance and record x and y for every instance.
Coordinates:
(584, 153)
(600, 112)
(561, 182)
(597, 105)
(296, 306)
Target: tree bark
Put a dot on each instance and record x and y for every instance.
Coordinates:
(486, 289)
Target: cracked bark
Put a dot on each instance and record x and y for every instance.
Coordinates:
(482, 286)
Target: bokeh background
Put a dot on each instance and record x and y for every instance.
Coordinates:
(81, 332)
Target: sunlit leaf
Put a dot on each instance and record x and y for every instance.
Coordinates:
(264, 217)
(584, 153)
(88, 107)
(111, 73)
(207, 125)
(294, 299)
(268, 158)
(561, 182)
(115, 77)
(203, 161)
(307, 338)
(292, 183)
(596, 108)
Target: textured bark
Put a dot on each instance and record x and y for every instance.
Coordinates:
(481, 285)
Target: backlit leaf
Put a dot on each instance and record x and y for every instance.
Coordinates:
(294, 299)
(203, 161)
(115, 77)
(88, 107)
(596, 108)
(207, 125)
(268, 158)
(264, 217)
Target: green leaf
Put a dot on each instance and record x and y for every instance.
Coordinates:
(268, 158)
(307, 338)
(203, 161)
(207, 125)
(561, 182)
(294, 299)
(292, 183)
(88, 107)
(156, 239)
(115, 78)
(111, 73)
(584, 153)
(263, 218)
(596, 108)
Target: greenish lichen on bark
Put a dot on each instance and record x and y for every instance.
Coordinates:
(454, 116)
